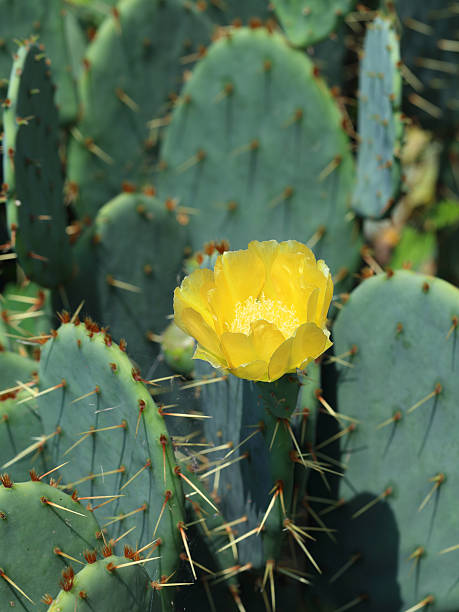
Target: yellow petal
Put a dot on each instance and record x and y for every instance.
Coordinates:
(214, 360)
(279, 363)
(294, 247)
(193, 323)
(193, 293)
(266, 338)
(309, 342)
(257, 370)
(238, 349)
(240, 273)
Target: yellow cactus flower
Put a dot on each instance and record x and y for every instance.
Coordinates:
(261, 312)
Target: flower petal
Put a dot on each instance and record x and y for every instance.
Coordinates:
(309, 342)
(266, 338)
(193, 324)
(193, 293)
(238, 349)
(257, 370)
(279, 362)
(214, 360)
(240, 273)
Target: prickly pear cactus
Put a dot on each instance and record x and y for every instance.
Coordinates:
(257, 480)
(131, 68)
(380, 126)
(133, 283)
(256, 148)
(308, 21)
(114, 438)
(58, 36)
(39, 526)
(33, 173)
(108, 584)
(397, 532)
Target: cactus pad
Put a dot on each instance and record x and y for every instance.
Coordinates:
(32, 171)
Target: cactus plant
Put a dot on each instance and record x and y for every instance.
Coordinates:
(32, 171)
(380, 125)
(131, 68)
(110, 583)
(251, 172)
(35, 556)
(114, 436)
(307, 22)
(394, 521)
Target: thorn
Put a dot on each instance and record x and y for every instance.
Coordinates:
(373, 502)
(425, 105)
(200, 383)
(167, 497)
(77, 312)
(352, 604)
(185, 544)
(13, 584)
(299, 540)
(439, 479)
(178, 471)
(393, 419)
(72, 485)
(113, 282)
(36, 445)
(270, 507)
(203, 567)
(349, 563)
(330, 410)
(53, 470)
(76, 444)
(453, 327)
(448, 45)
(121, 517)
(163, 442)
(449, 549)
(27, 399)
(123, 535)
(291, 573)
(58, 551)
(123, 425)
(50, 503)
(436, 391)
(127, 100)
(95, 390)
(38, 257)
(239, 539)
(223, 466)
(282, 197)
(269, 567)
(274, 434)
(189, 163)
(99, 497)
(233, 571)
(422, 604)
(349, 429)
(254, 433)
(147, 465)
(135, 562)
(331, 167)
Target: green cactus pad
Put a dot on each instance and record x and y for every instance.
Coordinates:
(20, 426)
(251, 418)
(32, 532)
(135, 281)
(33, 173)
(49, 23)
(257, 149)
(103, 585)
(26, 312)
(401, 484)
(132, 458)
(14, 367)
(380, 126)
(132, 66)
(308, 21)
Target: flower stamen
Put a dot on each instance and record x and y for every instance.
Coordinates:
(263, 308)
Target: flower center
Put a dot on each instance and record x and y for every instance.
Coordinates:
(274, 311)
